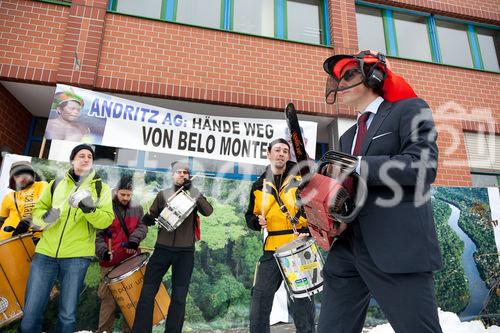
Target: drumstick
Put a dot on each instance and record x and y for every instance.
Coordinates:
(110, 249)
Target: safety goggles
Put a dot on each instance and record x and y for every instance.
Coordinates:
(333, 84)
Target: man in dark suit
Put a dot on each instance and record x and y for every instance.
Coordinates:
(391, 249)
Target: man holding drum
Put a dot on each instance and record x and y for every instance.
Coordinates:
(273, 206)
(173, 248)
(116, 243)
(69, 212)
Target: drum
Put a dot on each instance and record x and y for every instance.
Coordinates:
(10, 309)
(15, 260)
(301, 265)
(176, 211)
(125, 282)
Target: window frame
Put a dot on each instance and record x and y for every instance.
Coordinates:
(470, 27)
(483, 173)
(169, 14)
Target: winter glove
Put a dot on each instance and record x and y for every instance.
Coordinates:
(187, 184)
(23, 226)
(148, 219)
(87, 205)
(130, 245)
(51, 215)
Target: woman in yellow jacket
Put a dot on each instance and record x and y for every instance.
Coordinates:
(17, 206)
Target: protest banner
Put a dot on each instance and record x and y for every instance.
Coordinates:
(82, 115)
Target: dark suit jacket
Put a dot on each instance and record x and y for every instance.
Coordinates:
(400, 238)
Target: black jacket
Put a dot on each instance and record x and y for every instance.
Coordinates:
(400, 238)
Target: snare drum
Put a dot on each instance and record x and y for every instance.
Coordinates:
(176, 211)
(15, 260)
(301, 265)
(125, 282)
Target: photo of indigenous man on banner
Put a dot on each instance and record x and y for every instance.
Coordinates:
(95, 118)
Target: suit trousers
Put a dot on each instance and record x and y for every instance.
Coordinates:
(351, 278)
(267, 282)
(182, 263)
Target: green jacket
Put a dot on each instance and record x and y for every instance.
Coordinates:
(74, 232)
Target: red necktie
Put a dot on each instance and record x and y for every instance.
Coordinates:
(361, 133)
(349, 182)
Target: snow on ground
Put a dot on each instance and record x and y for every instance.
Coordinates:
(450, 323)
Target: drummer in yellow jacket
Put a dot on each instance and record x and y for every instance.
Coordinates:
(17, 206)
(273, 206)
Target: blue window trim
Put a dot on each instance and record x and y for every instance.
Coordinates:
(227, 14)
(388, 18)
(279, 24)
(326, 23)
(169, 10)
(474, 47)
(31, 137)
(436, 52)
(432, 28)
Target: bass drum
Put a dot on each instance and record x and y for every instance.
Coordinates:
(125, 282)
(16, 254)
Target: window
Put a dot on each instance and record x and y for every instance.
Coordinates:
(209, 166)
(483, 150)
(254, 17)
(489, 44)
(454, 43)
(422, 36)
(370, 27)
(485, 180)
(126, 157)
(154, 160)
(35, 138)
(205, 13)
(303, 21)
(145, 8)
(412, 37)
(297, 20)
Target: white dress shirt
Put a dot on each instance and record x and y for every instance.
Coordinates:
(372, 108)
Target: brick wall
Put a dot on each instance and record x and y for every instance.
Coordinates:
(119, 53)
(31, 35)
(15, 122)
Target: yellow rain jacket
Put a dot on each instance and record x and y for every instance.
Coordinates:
(268, 200)
(19, 204)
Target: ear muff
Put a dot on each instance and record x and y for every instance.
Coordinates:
(377, 73)
(375, 77)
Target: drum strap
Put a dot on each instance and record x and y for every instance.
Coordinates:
(293, 219)
(121, 218)
(17, 207)
(286, 232)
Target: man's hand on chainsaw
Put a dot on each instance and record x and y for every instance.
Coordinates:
(338, 228)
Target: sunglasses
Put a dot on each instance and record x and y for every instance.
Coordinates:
(184, 172)
(349, 74)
